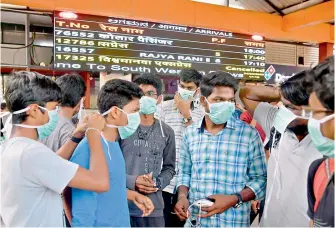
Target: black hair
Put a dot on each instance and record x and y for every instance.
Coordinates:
(190, 75)
(25, 88)
(117, 92)
(321, 81)
(3, 105)
(294, 91)
(150, 79)
(73, 89)
(218, 78)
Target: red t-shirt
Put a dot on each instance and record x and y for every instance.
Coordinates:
(246, 117)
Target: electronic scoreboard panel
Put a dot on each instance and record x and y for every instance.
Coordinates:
(94, 43)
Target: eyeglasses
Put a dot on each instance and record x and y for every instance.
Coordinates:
(150, 94)
(308, 112)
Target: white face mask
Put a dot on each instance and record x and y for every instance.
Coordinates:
(81, 112)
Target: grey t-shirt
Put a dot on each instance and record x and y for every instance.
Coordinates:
(157, 155)
(60, 134)
(286, 201)
(32, 180)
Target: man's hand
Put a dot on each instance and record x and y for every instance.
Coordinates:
(181, 208)
(255, 205)
(144, 203)
(80, 130)
(183, 106)
(222, 203)
(145, 184)
(96, 121)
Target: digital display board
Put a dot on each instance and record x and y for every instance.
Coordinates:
(94, 43)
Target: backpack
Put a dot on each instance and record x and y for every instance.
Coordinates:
(323, 176)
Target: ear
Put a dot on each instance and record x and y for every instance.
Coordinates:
(34, 111)
(160, 99)
(197, 91)
(203, 101)
(114, 113)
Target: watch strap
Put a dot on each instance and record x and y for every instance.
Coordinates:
(240, 200)
(75, 139)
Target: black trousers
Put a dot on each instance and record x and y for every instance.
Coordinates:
(171, 220)
(147, 221)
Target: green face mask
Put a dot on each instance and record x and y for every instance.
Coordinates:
(148, 105)
(323, 144)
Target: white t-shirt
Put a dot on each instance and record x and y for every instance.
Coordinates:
(286, 191)
(32, 180)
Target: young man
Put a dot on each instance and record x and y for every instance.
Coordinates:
(285, 203)
(178, 114)
(73, 91)
(118, 101)
(33, 176)
(320, 185)
(150, 154)
(221, 158)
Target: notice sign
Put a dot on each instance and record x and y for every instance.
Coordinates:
(276, 74)
(94, 43)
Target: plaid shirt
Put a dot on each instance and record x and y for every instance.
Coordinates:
(172, 117)
(222, 164)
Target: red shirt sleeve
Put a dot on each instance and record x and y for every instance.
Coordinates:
(246, 117)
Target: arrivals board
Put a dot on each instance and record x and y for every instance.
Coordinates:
(94, 43)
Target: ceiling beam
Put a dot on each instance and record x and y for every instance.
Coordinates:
(314, 15)
(274, 7)
(191, 13)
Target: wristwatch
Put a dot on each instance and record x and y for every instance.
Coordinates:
(186, 120)
(240, 200)
(75, 139)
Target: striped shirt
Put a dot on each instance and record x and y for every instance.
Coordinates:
(222, 164)
(172, 117)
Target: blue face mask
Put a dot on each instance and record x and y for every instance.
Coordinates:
(45, 130)
(185, 94)
(134, 121)
(323, 144)
(148, 105)
(219, 113)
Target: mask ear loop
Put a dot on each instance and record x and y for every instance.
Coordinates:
(81, 110)
(198, 221)
(8, 127)
(275, 176)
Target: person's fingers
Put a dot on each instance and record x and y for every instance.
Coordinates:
(180, 216)
(181, 211)
(146, 189)
(209, 209)
(209, 214)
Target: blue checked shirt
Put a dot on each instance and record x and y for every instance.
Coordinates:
(222, 164)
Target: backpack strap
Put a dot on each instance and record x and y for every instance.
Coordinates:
(322, 178)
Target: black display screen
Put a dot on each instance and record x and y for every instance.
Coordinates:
(94, 43)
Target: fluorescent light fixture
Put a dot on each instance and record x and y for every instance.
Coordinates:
(3, 5)
(68, 15)
(257, 37)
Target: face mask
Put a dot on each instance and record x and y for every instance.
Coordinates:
(219, 113)
(283, 118)
(43, 130)
(134, 121)
(80, 114)
(322, 144)
(148, 105)
(185, 94)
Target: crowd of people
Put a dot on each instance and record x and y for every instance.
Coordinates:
(198, 160)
